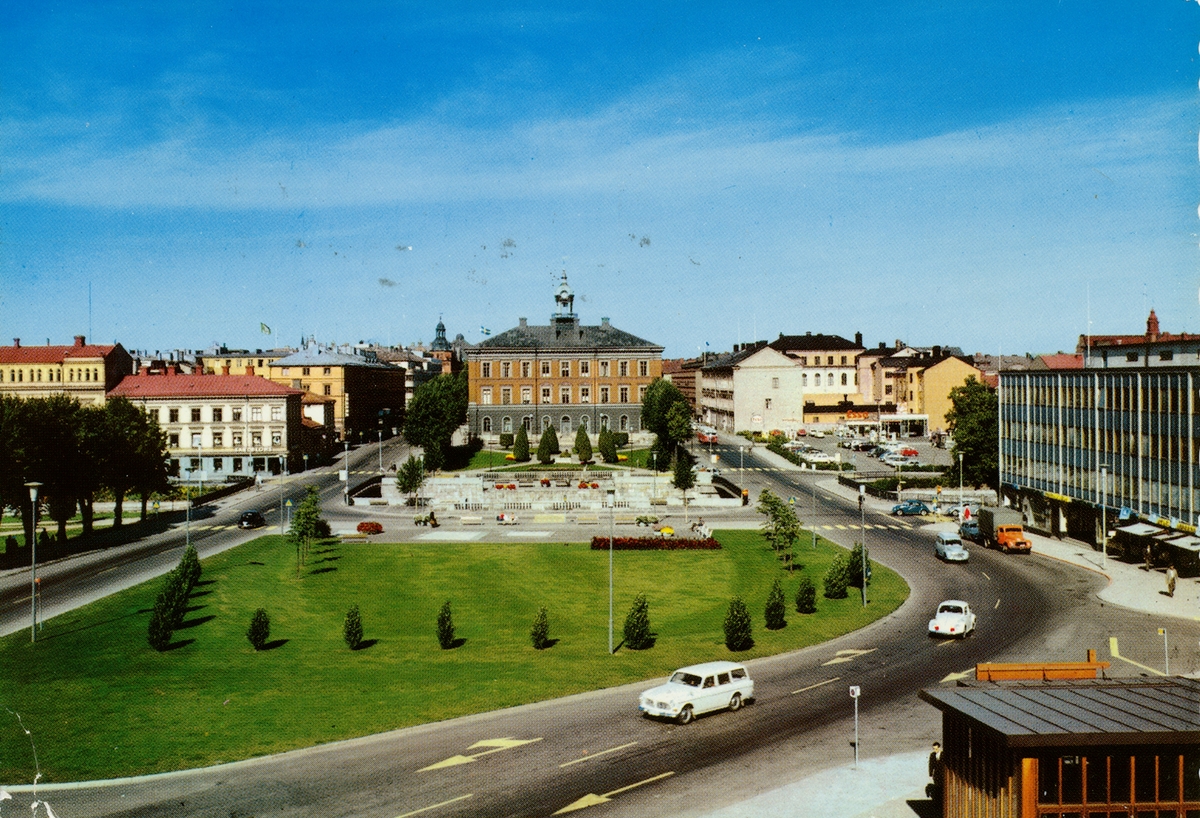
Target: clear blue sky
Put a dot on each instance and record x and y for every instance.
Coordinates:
(983, 174)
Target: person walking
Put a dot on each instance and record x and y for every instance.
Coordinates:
(1172, 576)
(934, 789)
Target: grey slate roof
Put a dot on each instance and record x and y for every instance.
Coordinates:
(787, 343)
(565, 335)
(314, 355)
(1079, 713)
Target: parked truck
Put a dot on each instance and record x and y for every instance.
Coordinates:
(1001, 528)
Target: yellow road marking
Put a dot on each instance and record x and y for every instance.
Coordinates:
(593, 800)
(1116, 654)
(985, 576)
(954, 677)
(818, 684)
(597, 755)
(997, 605)
(497, 744)
(435, 806)
(847, 656)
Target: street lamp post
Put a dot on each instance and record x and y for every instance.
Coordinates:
(612, 506)
(654, 474)
(33, 487)
(741, 464)
(862, 534)
(306, 461)
(960, 482)
(346, 467)
(1103, 517)
(381, 451)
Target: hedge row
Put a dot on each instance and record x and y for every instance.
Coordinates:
(655, 544)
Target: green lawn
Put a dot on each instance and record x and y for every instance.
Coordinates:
(100, 703)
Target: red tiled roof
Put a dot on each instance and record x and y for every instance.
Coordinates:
(198, 386)
(1063, 360)
(51, 354)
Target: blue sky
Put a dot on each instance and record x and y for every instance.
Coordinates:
(984, 175)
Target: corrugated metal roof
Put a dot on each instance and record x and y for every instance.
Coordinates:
(1078, 712)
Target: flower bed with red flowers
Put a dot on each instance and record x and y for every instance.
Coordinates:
(655, 544)
(370, 527)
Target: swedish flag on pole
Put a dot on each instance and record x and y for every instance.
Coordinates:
(264, 328)
(484, 330)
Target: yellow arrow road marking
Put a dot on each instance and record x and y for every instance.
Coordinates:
(818, 684)
(435, 806)
(847, 656)
(591, 800)
(597, 755)
(497, 744)
(1116, 654)
(997, 605)
(985, 576)
(954, 677)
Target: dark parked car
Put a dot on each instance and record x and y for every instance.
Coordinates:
(910, 508)
(969, 530)
(251, 519)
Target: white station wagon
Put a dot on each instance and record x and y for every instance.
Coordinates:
(698, 689)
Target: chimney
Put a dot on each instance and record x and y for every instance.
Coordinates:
(249, 370)
(78, 340)
(937, 352)
(224, 370)
(16, 343)
(523, 322)
(858, 339)
(604, 321)
(1152, 327)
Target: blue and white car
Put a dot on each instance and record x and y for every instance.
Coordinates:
(698, 689)
(949, 547)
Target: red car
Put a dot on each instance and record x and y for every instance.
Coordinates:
(909, 452)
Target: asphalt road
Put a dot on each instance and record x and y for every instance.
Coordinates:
(594, 749)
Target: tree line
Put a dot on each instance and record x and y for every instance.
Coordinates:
(76, 452)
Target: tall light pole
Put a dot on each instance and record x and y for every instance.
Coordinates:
(1103, 517)
(33, 487)
(346, 467)
(741, 464)
(654, 472)
(862, 534)
(381, 451)
(612, 505)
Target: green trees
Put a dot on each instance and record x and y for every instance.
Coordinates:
(806, 596)
(445, 627)
(776, 613)
(682, 476)
(410, 477)
(855, 565)
(657, 415)
(548, 445)
(738, 628)
(307, 525)
(352, 628)
(583, 446)
(837, 578)
(781, 527)
(521, 445)
(637, 625)
(974, 419)
(540, 634)
(607, 444)
(260, 629)
(171, 604)
(438, 407)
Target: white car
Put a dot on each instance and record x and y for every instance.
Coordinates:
(949, 547)
(953, 618)
(698, 689)
(817, 457)
(817, 433)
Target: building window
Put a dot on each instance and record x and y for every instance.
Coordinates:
(564, 369)
(643, 369)
(545, 394)
(583, 423)
(306, 371)
(237, 464)
(218, 415)
(276, 439)
(545, 369)
(829, 360)
(1166, 355)
(642, 392)
(604, 369)
(237, 415)
(623, 394)
(817, 379)
(804, 379)
(173, 441)
(218, 464)
(845, 377)
(545, 423)
(256, 413)
(774, 383)
(218, 440)
(604, 421)
(286, 370)
(585, 394)
(623, 368)
(505, 369)
(566, 424)
(526, 395)
(526, 369)
(237, 442)
(276, 413)
(172, 416)
(193, 464)
(803, 360)
(325, 371)
(328, 389)
(195, 416)
(564, 394)
(767, 403)
(585, 369)
(256, 440)
(485, 369)
(843, 360)
(624, 423)
(487, 424)
(604, 394)
(887, 390)
(527, 422)
(1131, 357)
(506, 395)
(485, 396)
(506, 424)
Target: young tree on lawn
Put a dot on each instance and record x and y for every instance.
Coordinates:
(683, 478)
(540, 634)
(307, 525)
(837, 578)
(607, 444)
(445, 627)
(521, 445)
(583, 446)
(548, 445)
(637, 625)
(781, 527)
(679, 422)
(260, 629)
(352, 628)
(776, 610)
(738, 628)
(160, 631)
(806, 596)
(974, 419)
(661, 395)
(438, 407)
(855, 565)
(410, 477)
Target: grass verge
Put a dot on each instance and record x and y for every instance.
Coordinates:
(99, 702)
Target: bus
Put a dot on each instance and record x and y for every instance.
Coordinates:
(706, 434)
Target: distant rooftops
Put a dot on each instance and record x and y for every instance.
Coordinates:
(50, 354)
(171, 385)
